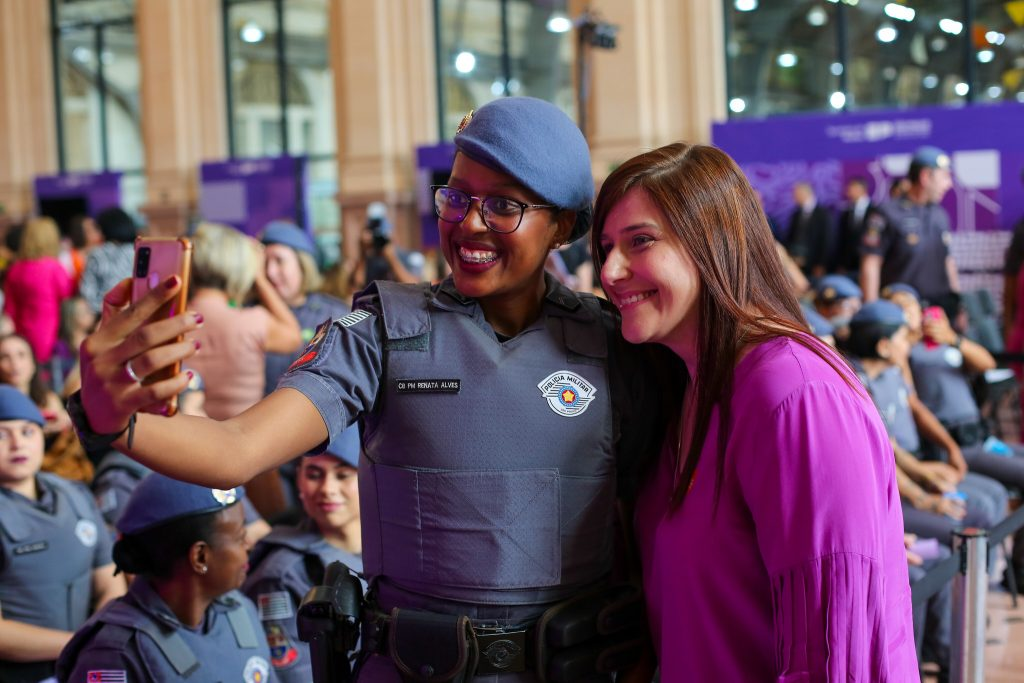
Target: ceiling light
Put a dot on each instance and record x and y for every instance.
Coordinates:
(816, 16)
(951, 26)
(836, 69)
(737, 105)
(961, 88)
(994, 91)
(886, 33)
(786, 60)
(995, 37)
(986, 56)
(465, 62)
(251, 32)
(558, 22)
(837, 100)
(901, 12)
(745, 5)
(930, 81)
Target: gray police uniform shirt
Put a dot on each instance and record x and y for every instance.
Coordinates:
(913, 241)
(137, 639)
(48, 550)
(317, 309)
(116, 477)
(285, 564)
(891, 396)
(942, 385)
(488, 474)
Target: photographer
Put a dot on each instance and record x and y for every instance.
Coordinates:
(383, 259)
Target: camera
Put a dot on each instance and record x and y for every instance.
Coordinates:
(142, 262)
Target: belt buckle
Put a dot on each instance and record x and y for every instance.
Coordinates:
(501, 650)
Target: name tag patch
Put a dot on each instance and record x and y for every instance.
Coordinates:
(567, 393)
(29, 548)
(428, 386)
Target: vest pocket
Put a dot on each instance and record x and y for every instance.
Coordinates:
(476, 529)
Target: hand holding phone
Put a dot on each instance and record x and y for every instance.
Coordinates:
(930, 316)
(157, 259)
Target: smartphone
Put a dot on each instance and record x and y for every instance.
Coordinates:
(931, 313)
(156, 259)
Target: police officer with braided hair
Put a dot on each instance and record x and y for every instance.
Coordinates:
(501, 415)
(55, 564)
(183, 618)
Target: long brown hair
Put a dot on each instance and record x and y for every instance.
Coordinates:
(745, 297)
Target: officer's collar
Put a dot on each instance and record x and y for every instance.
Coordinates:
(563, 301)
(149, 601)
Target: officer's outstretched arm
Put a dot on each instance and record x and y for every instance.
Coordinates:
(200, 450)
(21, 642)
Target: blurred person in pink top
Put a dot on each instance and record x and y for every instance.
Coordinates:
(770, 529)
(234, 339)
(35, 285)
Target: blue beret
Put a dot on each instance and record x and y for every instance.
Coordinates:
(835, 287)
(900, 287)
(880, 311)
(15, 405)
(819, 325)
(158, 499)
(290, 235)
(930, 157)
(346, 447)
(537, 144)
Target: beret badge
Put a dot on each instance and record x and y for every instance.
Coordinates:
(465, 121)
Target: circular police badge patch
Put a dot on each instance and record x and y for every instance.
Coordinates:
(224, 497)
(567, 393)
(256, 670)
(86, 532)
(953, 357)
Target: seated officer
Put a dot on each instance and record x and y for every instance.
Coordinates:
(838, 298)
(55, 562)
(292, 559)
(183, 617)
(879, 346)
(820, 326)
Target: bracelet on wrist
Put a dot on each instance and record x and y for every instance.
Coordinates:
(93, 441)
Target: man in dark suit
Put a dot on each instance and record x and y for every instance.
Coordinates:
(851, 226)
(810, 232)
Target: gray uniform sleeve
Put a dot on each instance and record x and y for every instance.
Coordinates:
(340, 371)
(93, 663)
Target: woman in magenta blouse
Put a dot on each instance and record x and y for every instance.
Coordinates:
(770, 527)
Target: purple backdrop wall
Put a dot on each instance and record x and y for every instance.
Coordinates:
(250, 193)
(986, 144)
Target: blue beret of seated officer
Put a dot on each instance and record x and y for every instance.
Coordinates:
(900, 288)
(158, 499)
(836, 287)
(15, 405)
(537, 144)
(879, 312)
(288, 234)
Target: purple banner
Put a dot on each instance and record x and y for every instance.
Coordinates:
(985, 143)
(433, 166)
(250, 193)
(99, 190)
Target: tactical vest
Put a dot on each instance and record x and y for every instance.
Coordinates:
(233, 650)
(941, 384)
(489, 470)
(284, 547)
(46, 578)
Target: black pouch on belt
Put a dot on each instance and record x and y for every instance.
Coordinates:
(431, 648)
(592, 635)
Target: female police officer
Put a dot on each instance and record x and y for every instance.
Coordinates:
(490, 436)
(183, 617)
(291, 560)
(54, 551)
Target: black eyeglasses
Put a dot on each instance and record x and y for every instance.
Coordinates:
(500, 214)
